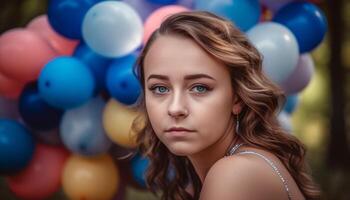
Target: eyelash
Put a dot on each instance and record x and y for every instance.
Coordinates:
(154, 87)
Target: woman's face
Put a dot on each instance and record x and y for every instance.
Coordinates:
(186, 87)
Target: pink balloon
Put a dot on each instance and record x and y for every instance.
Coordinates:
(23, 53)
(9, 88)
(42, 177)
(157, 17)
(301, 75)
(61, 44)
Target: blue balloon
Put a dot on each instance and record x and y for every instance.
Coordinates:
(36, 112)
(82, 131)
(291, 103)
(243, 13)
(66, 16)
(139, 166)
(121, 82)
(97, 64)
(16, 146)
(66, 82)
(307, 22)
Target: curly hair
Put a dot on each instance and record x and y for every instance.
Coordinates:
(260, 97)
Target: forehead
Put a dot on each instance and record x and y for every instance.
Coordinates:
(175, 56)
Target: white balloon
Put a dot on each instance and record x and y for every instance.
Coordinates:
(112, 29)
(279, 48)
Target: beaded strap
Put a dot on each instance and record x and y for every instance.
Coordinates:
(284, 181)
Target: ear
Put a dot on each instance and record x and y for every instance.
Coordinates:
(237, 106)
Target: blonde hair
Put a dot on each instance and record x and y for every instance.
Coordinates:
(260, 97)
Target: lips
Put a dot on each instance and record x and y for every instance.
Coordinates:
(178, 129)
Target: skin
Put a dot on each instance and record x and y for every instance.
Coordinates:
(207, 106)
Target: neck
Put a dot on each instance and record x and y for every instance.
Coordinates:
(204, 160)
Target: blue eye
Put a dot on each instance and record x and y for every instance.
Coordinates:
(201, 88)
(161, 89)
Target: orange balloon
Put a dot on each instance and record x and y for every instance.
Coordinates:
(61, 44)
(42, 177)
(157, 17)
(23, 53)
(9, 88)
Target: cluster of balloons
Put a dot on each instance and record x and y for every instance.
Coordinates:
(67, 85)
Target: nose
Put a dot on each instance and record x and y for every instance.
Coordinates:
(177, 107)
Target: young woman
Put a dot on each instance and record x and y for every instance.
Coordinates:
(211, 129)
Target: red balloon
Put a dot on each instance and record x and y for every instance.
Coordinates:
(23, 53)
(61, 44)
(42, 177)
(9, 88)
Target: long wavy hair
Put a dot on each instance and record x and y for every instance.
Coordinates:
(260, 97)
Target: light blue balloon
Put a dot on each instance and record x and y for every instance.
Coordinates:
(82, 131)
(121, 82)
(279, 48)
(291, 103)
(243, 13)
(112, 29)
(65, 82)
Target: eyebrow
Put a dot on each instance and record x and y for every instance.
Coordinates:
(187, 77)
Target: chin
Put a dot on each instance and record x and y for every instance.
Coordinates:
(181, 150)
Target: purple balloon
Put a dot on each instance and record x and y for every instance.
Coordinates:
(144, 8)
(301, 75)
(9, 108)
(274, 5)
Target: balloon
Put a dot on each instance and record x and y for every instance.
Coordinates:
(42, 177)
(139, 166)
(8, 108)
(275, 4)
(291, 104)
(97, 64)
(163, 2)
(10, 88)
(284, 121)
(301, 76)
(23, 53)
(82, 131)
(51, 137)
(307, 22)
(278, 47)
(16, 146)
(117, 121)
(243, 13)
(66, 82)
(121, 82)
(145, 8)
(112, 29)
(36, 112)
(62, 45)
(66, 16)
(157, 17)
(90, 178)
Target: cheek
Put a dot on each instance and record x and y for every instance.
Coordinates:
(154, 113)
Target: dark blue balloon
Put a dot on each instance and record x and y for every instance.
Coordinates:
(16, 146)
(307, 22)
(163, 2)
(66, 16)
(121, 82)
(36, 112)
(98, 64)
(139, 166)
(291, 103)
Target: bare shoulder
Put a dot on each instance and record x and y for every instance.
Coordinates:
(242, 177)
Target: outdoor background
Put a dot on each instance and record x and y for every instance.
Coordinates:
(321, 121)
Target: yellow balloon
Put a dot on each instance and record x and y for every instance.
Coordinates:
(90, 178)
(117, 122)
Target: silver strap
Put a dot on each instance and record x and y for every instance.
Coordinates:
(284, 181)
